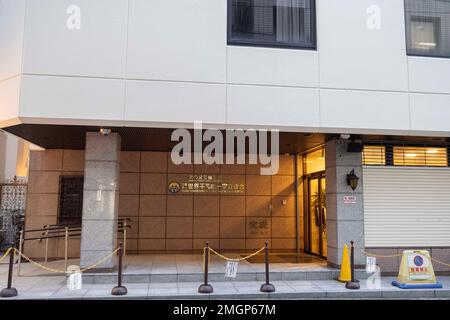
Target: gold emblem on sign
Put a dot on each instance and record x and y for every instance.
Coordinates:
(174, 187)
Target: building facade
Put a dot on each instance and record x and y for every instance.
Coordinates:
(355, 87)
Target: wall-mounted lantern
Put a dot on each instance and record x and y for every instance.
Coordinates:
(352, 179)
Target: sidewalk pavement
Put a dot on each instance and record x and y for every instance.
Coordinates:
(54, 287)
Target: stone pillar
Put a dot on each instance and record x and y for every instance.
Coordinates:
(345, 218)
(100, 199)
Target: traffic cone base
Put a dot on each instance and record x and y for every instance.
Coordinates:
(345, 275)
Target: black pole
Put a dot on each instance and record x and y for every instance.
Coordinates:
(353, 284)
(119, 290)
(267, 287)
(205, 287)
(10, 291)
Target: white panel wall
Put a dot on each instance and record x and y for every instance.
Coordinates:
(354, 56)
(268, 66)
(430, 113)
(177, 40)
(273, 106)
(9, 100)
(97, 49)
(174, 102)
(364, 110)
(166, 63)
(430, 75)
(12, 16)
(406, 207)
(71, 98)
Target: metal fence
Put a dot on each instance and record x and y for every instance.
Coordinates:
(12, 209)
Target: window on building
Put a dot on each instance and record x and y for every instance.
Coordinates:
(283, 23)
(428, 27)
(420, 156)
(70, 200)
(405, 156)
(315, 161)
(374, 155)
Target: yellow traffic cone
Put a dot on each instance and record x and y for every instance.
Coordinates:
(345, 275)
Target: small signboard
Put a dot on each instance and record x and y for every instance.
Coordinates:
(349, 199)
(416, 271)
(205, 183)
(419, 265)
(231, 269)
(74, 281)
(371, 264)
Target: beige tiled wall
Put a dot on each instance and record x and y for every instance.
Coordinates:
(183, 222)
(175, 222)
(42, 200)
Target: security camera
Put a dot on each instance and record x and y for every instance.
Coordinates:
(105, 132)
(345, 136)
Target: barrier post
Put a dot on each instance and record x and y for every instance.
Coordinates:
(119, 290)
(9, 291)
(205, 287)
(353, 284)
(20, 252)
(267, 287)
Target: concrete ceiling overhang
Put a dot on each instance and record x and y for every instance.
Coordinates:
(159, 139)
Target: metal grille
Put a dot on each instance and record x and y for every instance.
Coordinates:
(12, 209)
(428, 27)
(70, 200)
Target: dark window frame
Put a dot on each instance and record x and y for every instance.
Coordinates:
(389, 153)
(62, 219)
(408, 33)
(247, 43)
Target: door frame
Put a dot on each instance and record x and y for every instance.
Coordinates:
(307, 226)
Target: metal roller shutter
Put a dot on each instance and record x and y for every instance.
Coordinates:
(406, 206)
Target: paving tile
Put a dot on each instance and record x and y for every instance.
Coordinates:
(163, 278)
(442, 293)
(163, 285)
(162, 291)
(129, 279)
(408, 294)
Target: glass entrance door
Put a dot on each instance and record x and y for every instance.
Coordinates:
(317, 215)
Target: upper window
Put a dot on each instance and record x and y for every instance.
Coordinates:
(272, 23)
(428, 27)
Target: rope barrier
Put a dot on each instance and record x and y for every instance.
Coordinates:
(100, 261)
(397, 255)
(379, 255)
(5, 255)
(65, 271)
(440, 262)
(234, 259)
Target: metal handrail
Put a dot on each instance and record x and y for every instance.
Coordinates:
(66, 232)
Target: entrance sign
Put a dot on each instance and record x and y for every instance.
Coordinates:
(205, 183)
(416, 271)
(371, 264)
(231, 269)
